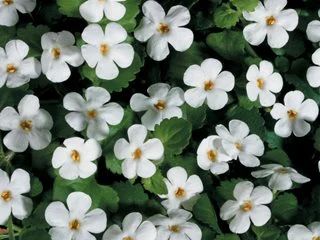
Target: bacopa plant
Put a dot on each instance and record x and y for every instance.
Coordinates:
(159, 120)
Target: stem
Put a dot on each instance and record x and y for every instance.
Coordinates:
(250, 50)
(10, 229)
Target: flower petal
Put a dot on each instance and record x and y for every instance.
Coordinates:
(157, 48)
(180, 39)
(277, 37)
(57, 215)
(178, 16)
(95, 221)
(260, 215)
(92, 10)
(243, 190)
(114, 11)
(255, 33)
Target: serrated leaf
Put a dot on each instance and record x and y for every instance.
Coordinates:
(245, 5)
(6, 34)
(225, 16)
(276, 156)
(174, 134)
(36, 187)
(267, 232)
(30, 234)
(225, 191)
(196, 116)
(285, 207)
(155, 184)
(130, 194)
(205, 213)
(70, 8)
(228, 236)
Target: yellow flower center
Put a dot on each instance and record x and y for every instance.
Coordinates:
(7, 2)
(180, 193)
(137, 154)
(56, 53)
(271, 20)
(11, 68)
(208, 85)
(74, 225)
(104, 49)
(282, 171)
(175, 228)
(75, 156)
(26, 125)
(160, 105)
(212, 155)
(127, 238)
(260, 83)
(246, 206)
(316, 238)
(92, 114)
(292, 115)
(163, 28)
(6, 196)
(238, 146)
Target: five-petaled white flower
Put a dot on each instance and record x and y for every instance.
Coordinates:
(137, 153)
(282, 177)
(76, 158)
(11, 199)
(238, 143)
(263, 83)
(76, 222)
(211, 155)
(249, 204)
(105, 50)
(58, 52)
(176, 226)
(30, 125)
(160, 29)
(271, 21)
(209, 84)
(301, 232)
(93, 10)
(93, 112)
(15, 70)
(313, 30)
(294, 114)
(9, 10)
(313, 72)
(163, 103)
(132, 229)
(182, 190)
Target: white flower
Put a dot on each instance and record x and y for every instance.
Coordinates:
(76, 222)
(313, 72)
(313, 30)
(160, 29)
(211, 155)
(176, 226)
(301, 232)
(271, 21)
(282, 177)
(93, 10)
(30, 125)
(294, 114)
(182, 190)
(263, 83)
(248, 205)
(238, 143)
(15, 70)
(137, 153)
(132, 229)
(106, 49)
(8, 10)
(209, 84)
(76, 158)
(11, 199)
(163, 103)
(58, 52)
(93, 112)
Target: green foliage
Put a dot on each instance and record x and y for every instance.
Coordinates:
(224, 192)
(196, 116)
(130, 194)
(174, 133)
(70, 8)
(227, 237)
(245, 5)
(155, 184)
(267, 232)
(226, 17)
(285, 207)
(277, 156)
(6, 34)
(30, 234)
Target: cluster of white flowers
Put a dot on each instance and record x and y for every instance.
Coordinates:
(107, 50)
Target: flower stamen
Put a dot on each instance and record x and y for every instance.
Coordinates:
(127, 238)
(316, 238)
(175, 228)
(26, 125)
(208, 85)
(283, 171)
(137, 154)
(292, 115)
(7, 2)
(160, 105)
(11, 68)
(56, 53)
(260, 83)
(180, 193)
(6, 196)
(92, 114)
(246, 206)
(238, 146)
(271, 20)
(75, 156)
(212, 155)
(74, 225)
(163, 28)
(104, 49)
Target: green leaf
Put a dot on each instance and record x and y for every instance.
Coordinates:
(70, 8)
(6, 34)
(196, 116)
(126, 75)
(102, 196)
(32, 36)
(228, 236)
(36, 187)
(36, 219)
(285, 207)
(41, 159)
(12, 96)
(267, 232)
(273, 140)
(245, 5)
(225, 16)
(205, 213)
(30, 234)
(130, 194)
(174, 133)
(316, 139)
(276, 156)
(224, 192)
(155, 184)
(188, 162)
(228, 44)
